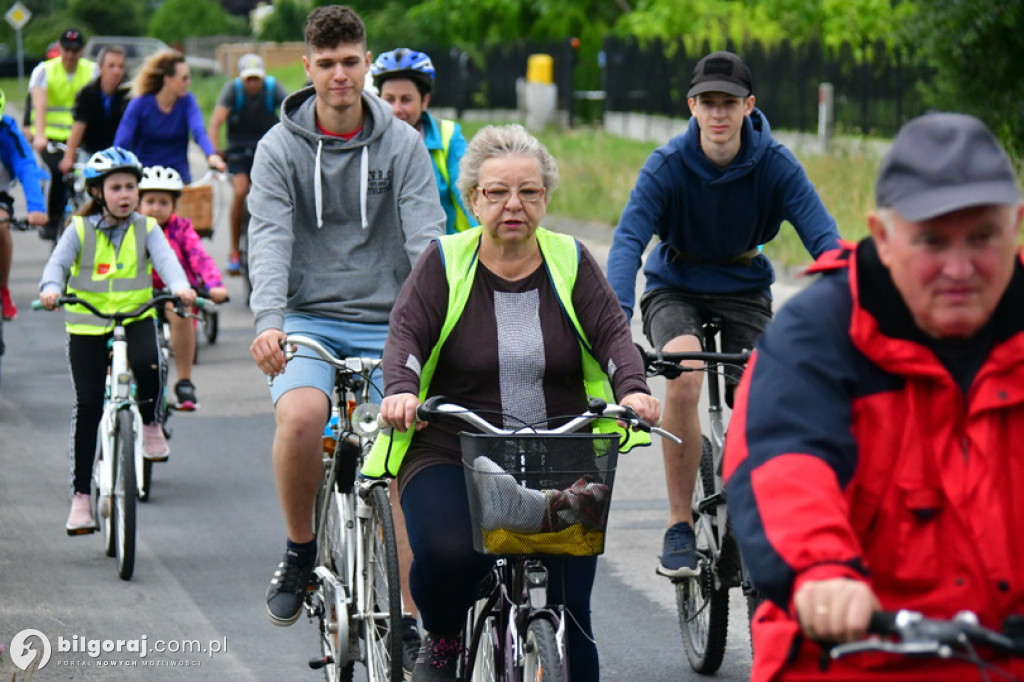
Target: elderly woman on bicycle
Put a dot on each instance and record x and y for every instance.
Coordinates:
(511, 320)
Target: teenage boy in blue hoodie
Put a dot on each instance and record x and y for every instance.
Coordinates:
(343, 202)
(713, 195)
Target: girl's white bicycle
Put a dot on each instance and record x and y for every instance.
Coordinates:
(116, 480)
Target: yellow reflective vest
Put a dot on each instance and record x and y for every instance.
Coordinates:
(112, 280)
(60, 95)
(561, 259)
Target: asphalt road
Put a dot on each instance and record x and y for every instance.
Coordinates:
(211, 534)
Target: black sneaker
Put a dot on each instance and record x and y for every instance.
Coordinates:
(411, 641)
(185, 392)
(288, 587)
(437, 659)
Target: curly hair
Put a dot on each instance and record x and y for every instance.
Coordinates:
(151, 76)
(333, 25)
(496, 141)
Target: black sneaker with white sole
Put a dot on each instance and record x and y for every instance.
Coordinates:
(287, 590)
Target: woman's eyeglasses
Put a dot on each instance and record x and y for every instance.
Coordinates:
(499, 195)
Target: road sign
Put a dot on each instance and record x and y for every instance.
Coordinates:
(18, 15)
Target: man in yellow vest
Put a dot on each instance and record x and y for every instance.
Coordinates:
(53, 86)
(405, 79)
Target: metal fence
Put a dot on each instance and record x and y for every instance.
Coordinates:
(876, 89)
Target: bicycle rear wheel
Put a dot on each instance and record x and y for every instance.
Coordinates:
(384, 596)
(541, 662)
(211, 326)
(125, 494)
(703, 609)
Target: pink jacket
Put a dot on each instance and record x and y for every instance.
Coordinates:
(201, 269)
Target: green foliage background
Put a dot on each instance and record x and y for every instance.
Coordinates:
(974, 47)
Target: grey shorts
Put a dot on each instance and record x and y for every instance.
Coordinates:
(668, 313)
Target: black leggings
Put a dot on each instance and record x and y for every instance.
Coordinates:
(88, 356)
(57, 199)
(446, 570)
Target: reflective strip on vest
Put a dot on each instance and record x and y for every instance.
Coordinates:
(113, 282)
(440, 157)
(60, 96)
(459, 252)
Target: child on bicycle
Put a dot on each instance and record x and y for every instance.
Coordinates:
(107, 257)
(159, 190)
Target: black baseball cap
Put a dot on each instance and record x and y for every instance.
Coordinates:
(942, 162)
(721, 72)
(72, 39)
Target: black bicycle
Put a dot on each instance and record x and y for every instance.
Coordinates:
(703, 601)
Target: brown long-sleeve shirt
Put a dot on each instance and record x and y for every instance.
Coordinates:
(513, 356)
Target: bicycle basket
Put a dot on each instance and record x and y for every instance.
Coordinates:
(539, 494)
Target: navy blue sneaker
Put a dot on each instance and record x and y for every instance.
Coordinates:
(679, 552)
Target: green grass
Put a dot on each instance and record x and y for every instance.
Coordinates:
(598, 171)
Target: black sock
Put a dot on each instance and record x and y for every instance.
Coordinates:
(304, 550)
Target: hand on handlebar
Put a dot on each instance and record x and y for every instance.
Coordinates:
(399, 411)
(216, 162)
(37, 218)
(186, 296)
(835, 610)
(49, 299)
(266, 350)
(646, 406)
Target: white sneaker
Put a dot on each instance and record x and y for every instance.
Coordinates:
(154, 445)
(80, 519)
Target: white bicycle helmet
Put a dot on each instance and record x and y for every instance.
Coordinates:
(161, 178)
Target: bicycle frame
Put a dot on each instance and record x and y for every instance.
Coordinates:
(119, 397)
(348, 525)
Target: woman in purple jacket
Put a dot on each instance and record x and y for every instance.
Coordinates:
(162, 113)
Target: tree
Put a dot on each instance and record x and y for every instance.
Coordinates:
(176, 20)
(108, 17)
(976, 50)
(286, 22)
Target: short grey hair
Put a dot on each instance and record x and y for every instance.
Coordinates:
(495, 141)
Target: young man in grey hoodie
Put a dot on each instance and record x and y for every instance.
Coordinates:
(342, 204)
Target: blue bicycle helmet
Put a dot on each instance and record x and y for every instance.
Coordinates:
(110, 160)
(404, 63)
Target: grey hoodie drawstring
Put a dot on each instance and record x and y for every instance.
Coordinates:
(364, 170)
(318, 191)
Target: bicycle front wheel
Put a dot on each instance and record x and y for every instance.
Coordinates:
(334, 596)
(384, 596)
(541, 662)
(125, 494)
(703, 608)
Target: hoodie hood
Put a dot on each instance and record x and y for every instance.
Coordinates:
(299, 117)
(756, 141)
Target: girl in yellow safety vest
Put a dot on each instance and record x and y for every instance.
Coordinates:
(106, 257)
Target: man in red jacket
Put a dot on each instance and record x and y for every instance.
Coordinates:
(874, 458)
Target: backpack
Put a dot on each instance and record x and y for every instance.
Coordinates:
(269, 88)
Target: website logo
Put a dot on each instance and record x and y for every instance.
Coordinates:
(24, 651)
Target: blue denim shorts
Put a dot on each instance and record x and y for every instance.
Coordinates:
(344, 339)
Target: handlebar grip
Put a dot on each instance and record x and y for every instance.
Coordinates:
(883, 623)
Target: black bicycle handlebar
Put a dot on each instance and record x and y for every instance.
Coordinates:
(19, 224)
(118, 317)
(919, 636)
(668, 364)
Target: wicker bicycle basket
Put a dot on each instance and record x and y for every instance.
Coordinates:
(539, 494)
(196, 204)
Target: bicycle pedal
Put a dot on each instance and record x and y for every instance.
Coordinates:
(82, 531)
(320, 661)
